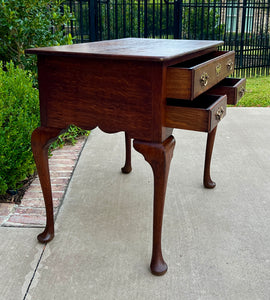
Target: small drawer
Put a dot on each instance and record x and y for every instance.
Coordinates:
(202, 114)
(191, 78)
(234, 88)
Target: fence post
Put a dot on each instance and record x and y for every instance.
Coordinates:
(178, 11)
(244, 12)
(145, 19)
(92, 4)
(267, 32)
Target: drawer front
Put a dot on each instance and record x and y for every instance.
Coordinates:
(202, 114)
(191, 78)
(234, 88)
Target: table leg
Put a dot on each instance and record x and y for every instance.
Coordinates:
(159, 156)
(207, 181)
(127, 167)
(41, 139)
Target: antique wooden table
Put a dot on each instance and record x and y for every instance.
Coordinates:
(144, 87)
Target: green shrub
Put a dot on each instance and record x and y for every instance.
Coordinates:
(19, 116)
(31, 23)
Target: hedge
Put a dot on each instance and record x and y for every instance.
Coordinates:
(19, 116)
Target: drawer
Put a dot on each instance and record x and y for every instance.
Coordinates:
(191, 78)
(202, 114)
(234, 88)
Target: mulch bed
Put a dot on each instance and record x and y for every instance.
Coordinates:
(15, 196)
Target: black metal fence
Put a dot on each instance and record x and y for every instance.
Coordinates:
(243, 25)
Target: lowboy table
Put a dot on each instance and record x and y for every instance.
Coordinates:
(144, 87)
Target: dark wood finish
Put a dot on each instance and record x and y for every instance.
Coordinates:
(127, 167)
(113, 95)
(184, 79)
(122, 102)
(121, 85)
(41, 139)
(159, 157)
(207, 181)
(234, 88)
(198, 115)
(139, 49)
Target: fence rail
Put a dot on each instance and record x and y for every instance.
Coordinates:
(243, 25)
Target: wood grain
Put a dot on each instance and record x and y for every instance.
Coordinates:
(234, 88)
(207, 180)
(159, 156)
(89, 93)
(41, 139)
(132, 49)
(127, 167)
(184, 79)
(197, 115)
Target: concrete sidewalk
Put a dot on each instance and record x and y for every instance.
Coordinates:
(216, 242)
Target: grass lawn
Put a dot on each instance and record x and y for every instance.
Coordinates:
(257, 92)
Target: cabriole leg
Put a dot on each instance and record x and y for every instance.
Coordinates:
(41, 139)
(127, 167)
(159, 156)
(207, 181)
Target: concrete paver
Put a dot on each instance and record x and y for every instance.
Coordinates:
(216, 242)
(20, 253)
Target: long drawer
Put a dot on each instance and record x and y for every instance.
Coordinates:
(202, 114)
(191, 78)
(234, 88)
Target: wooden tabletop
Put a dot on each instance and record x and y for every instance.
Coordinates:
(131, 49)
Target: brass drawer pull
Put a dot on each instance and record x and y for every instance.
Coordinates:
(220, 113)
(218, 69)
(204, 79)
(242, 91)
(230, 65)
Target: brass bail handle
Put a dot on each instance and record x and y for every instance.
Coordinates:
(204, 79)
(220, 113)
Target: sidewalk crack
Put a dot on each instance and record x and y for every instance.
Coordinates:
(35, 271)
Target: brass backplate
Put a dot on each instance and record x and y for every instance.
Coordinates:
(218, 69)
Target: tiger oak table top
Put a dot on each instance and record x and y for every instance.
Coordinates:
(132, 49)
